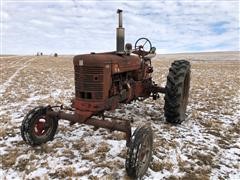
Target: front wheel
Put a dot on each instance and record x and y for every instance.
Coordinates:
(139, 152)
(177, 91)
(37, 128)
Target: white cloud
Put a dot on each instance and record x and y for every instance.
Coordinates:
(40, 23)
(85, 26)
(5, 16)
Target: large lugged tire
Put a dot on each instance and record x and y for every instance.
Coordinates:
(37, 128)
(139, 152)
(177, 91)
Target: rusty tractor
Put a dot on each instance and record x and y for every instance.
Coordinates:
(102, 82)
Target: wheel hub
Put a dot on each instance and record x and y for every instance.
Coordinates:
(41, 127)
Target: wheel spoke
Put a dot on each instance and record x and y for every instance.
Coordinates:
(145, 42)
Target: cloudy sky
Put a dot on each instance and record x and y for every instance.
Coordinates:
(74, 26)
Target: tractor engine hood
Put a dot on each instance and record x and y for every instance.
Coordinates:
(118, 63)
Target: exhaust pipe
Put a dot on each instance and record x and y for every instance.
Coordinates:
(120, 34)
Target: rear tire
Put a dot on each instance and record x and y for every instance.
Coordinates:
(177, 91)
(37, 128)
(139, 152)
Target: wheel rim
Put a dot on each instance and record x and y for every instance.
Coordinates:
(41, 127)
(143, 156)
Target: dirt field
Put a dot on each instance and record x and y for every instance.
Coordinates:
(205, 146)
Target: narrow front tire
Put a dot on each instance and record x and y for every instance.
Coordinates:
(37, 128)
(139, 152)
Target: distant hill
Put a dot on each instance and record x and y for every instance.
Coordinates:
(209, 56)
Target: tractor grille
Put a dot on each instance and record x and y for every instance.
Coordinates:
(89, 82)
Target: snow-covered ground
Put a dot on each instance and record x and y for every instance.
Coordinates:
(205, 146)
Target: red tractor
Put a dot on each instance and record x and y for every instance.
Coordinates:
(102, 82)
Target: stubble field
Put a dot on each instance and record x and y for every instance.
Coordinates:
(205, 146)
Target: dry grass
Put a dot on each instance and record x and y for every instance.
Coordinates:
(157, 165)
(80, 145)
(64, 173)
(9, 159)
(103, 147)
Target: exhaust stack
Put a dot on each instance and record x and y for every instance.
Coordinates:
(120, 34)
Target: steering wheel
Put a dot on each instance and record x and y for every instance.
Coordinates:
(143, 45)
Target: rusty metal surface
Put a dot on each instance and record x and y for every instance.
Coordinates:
(89, 79)
(66, 116)
(104, 80)
(123, 126)
(96, 106)
(124, 62)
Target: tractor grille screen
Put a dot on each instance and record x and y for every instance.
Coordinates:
(88, 82)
